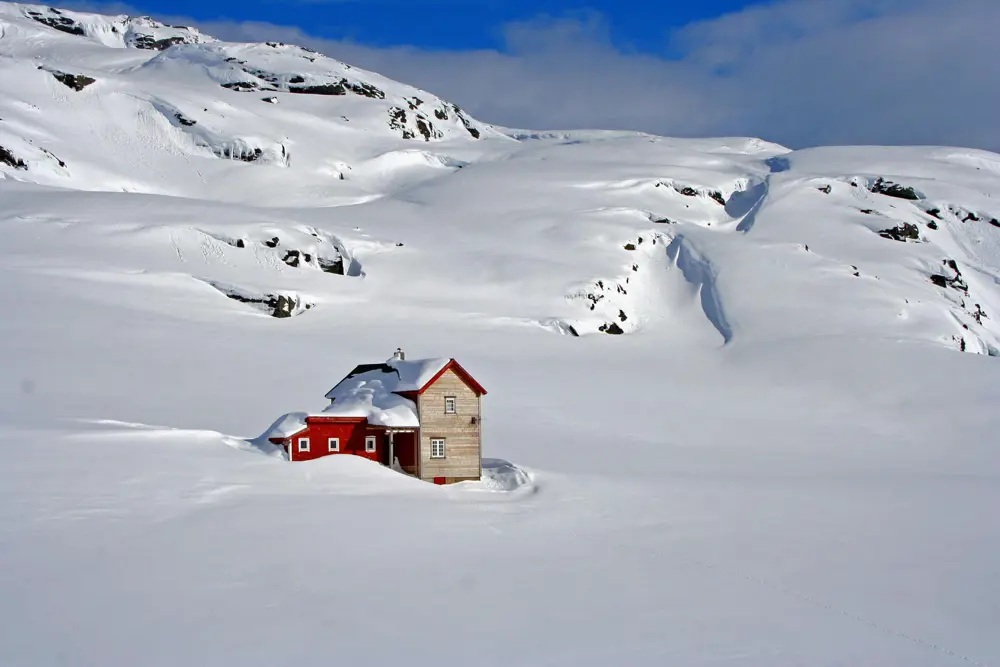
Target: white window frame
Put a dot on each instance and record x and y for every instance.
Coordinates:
(435, 453)
(449, 401)
(333, 444)
(371, 444)
(303, 445)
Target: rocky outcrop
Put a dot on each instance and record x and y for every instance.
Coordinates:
(888, 188)
(955, 281)
(149, 42)
(266, 80)
(55, 19)
(904, 232)
(329, 259)
(8, 158)
(413, 123)
(278, 304)
(75, 81)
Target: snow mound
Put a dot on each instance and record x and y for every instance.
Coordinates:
(502, 475)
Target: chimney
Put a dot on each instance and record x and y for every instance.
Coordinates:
(398, 355)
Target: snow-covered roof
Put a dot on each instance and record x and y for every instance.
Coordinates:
(285, 425)
(372, 391)
(395, 375)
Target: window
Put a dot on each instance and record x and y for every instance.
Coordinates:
(449, 405)
(437, 448)
(303, 444)
(370, 443)
(334, 444)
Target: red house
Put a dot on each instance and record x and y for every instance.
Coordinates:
(422, 417)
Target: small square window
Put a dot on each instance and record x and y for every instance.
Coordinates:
(449, 405)
(370, 444)
(437, 448)
(334, 444)
(303, 444)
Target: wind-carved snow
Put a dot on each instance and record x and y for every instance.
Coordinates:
(700, 273)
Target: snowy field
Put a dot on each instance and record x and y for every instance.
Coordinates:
(755, 390)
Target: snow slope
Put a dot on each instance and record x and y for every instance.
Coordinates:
(734, 373)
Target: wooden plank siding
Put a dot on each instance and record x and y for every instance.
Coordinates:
(462, 431)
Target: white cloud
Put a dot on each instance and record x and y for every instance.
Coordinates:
(799, 72)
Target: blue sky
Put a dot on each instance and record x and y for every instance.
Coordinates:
(796, 72)
(454, 24)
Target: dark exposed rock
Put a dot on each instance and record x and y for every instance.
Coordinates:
(630, 246)
(264, 75)
(932, 225)
(75, 81)
(891, 189)
(397, 121)
(281, 306)
(469, 127)
(957, 282)
(867, 211)
(186, 122)
(53, 156)
(297, 79)
(572, 331)
(970, 217)
(10, 159)
(688, 191)
(276, 305)
(826, 189)
(423, 129)
(979, 314)
(935, 213)
(241, 86)
(903, 232)
(995, 222)
(273, 243)
(365, 90)
(622, 316)
(231, 153)
(717, 196)
(269, 100)
(335, 266)
(662, 221)
(611, 328)
(153, 44)
(58, 21)
(441, 114)
(240, 243)
(323, 89)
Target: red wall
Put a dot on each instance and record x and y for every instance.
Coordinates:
(352, 441)
(351, 434)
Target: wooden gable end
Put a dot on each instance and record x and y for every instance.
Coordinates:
(461, 373)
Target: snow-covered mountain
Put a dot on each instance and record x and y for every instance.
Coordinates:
(734, 369)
